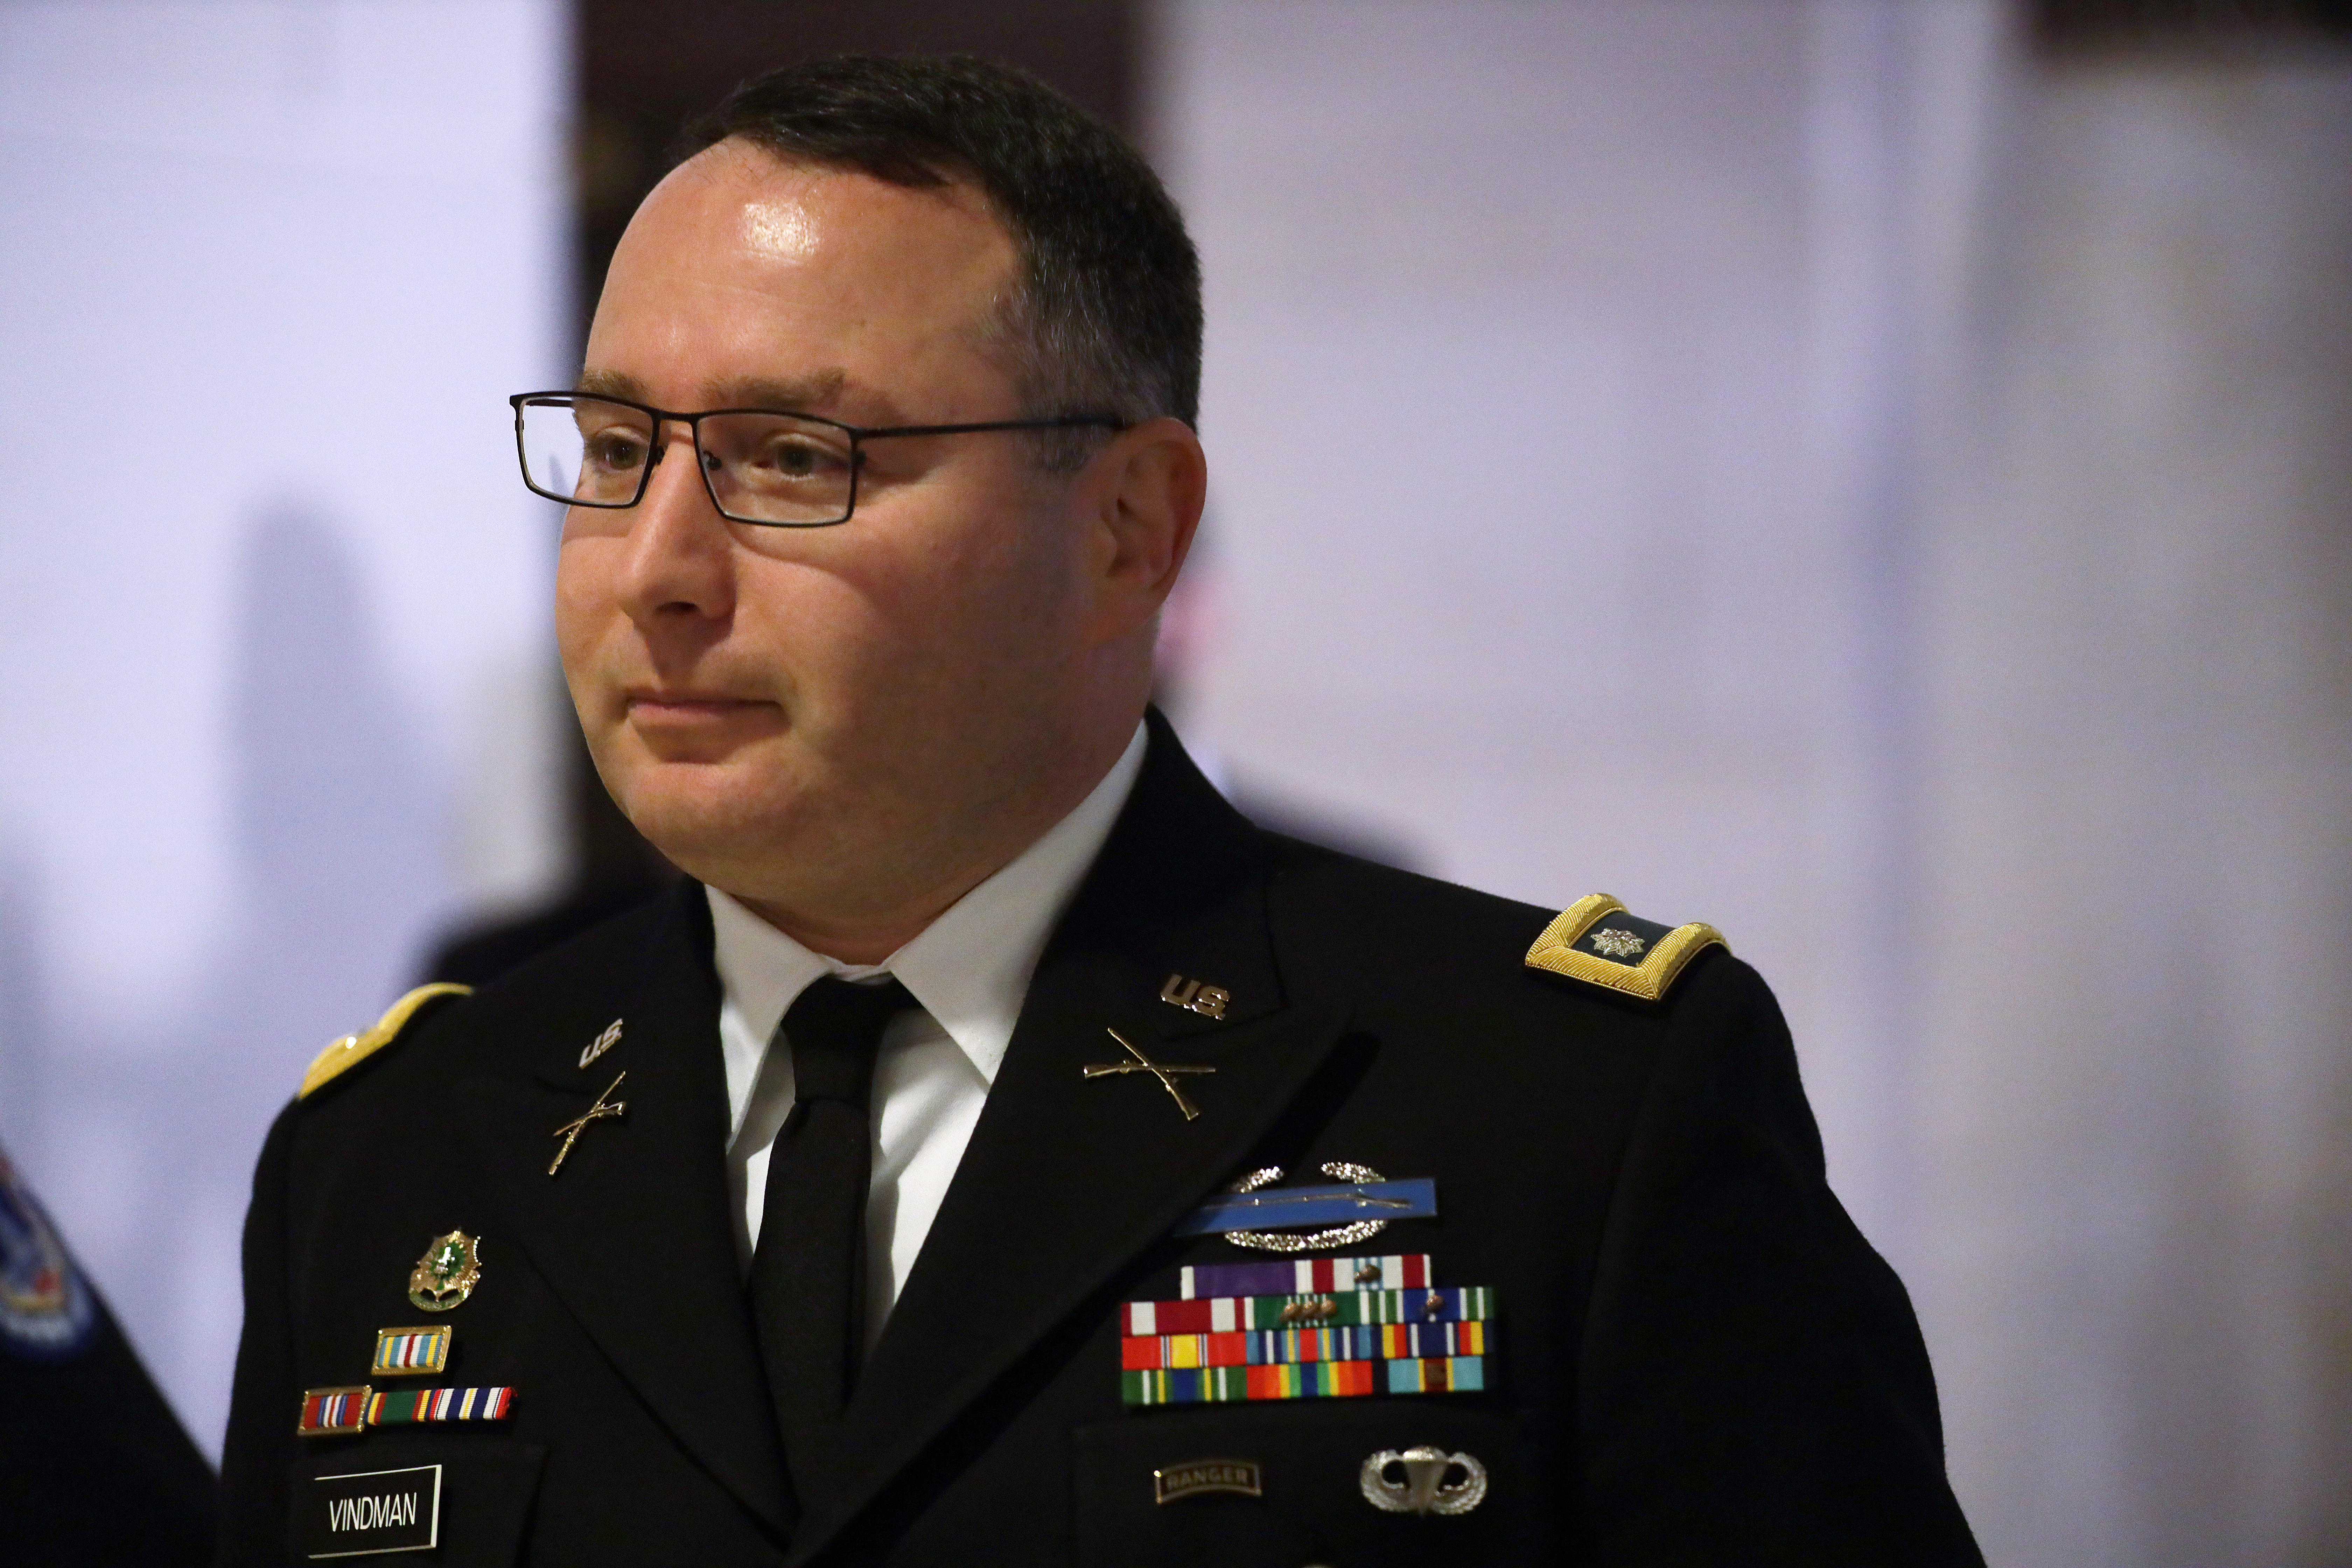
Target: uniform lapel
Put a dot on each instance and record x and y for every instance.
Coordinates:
(632, 1233)
(1068, 1179)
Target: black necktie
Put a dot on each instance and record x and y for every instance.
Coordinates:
(807, 1279)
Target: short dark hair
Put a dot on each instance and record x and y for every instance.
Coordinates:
(1106, 316)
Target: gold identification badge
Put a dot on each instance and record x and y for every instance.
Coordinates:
(447, 1274)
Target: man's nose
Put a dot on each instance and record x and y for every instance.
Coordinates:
(679, 547)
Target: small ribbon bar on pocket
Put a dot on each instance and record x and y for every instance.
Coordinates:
(1276, 1208)
(1304, 1380)
(408, 1405)
(1304, 1277)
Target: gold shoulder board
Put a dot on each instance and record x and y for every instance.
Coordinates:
(1595, 941)
(353, 1050)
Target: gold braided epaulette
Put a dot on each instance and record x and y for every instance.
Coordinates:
(1595, 941)
(353, 1050)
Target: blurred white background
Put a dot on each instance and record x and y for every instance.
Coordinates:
(272, 602)
(1820, 467)
(1824, 470)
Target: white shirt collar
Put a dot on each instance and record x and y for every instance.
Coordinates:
(970, 968)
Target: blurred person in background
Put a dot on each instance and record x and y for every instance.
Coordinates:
(94, 1468)
(997, 1147)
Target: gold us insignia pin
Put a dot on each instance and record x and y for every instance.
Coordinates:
(447, 1274)
(1209, 1000)
(601, 1043)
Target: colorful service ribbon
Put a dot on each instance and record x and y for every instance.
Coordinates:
(410, 1352)
(440, 1404)
(1387, 1341)
(1304, 1276)
(1304, 1380)
(331, 1412)
(1337, 1309)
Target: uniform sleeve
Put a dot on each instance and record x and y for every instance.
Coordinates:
(1754, 1388)
(259, 1445)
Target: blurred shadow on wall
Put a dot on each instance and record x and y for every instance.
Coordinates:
(23, 998)
(151, 1128)
(333, 824)
(332, 817)
(1191, 625)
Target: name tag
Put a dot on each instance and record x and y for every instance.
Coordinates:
(365, 1512)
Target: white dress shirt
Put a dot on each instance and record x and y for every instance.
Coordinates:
(969, 969)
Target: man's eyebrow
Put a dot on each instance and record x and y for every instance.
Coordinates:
(817, 393)
(610, 384)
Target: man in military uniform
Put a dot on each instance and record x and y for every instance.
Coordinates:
(1000, 1150)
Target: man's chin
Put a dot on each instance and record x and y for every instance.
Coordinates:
(704, 817)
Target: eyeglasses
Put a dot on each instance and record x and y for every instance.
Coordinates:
(778, 470)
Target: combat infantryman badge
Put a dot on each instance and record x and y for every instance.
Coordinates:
(447, 1274)
(1362, 1209)
(1364, 1206)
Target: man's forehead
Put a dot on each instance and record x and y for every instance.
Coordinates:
(783, 200)
(831, 390)
(794, 283)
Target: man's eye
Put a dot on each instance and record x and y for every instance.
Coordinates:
(613, 449)
(799, 459)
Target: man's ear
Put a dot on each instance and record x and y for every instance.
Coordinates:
(1140, 500)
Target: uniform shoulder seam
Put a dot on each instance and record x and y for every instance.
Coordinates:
(342, 1056)
(1631, 956)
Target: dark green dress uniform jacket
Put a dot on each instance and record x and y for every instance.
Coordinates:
(1700, 1359)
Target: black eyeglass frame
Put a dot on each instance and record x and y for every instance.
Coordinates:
(858, 435)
